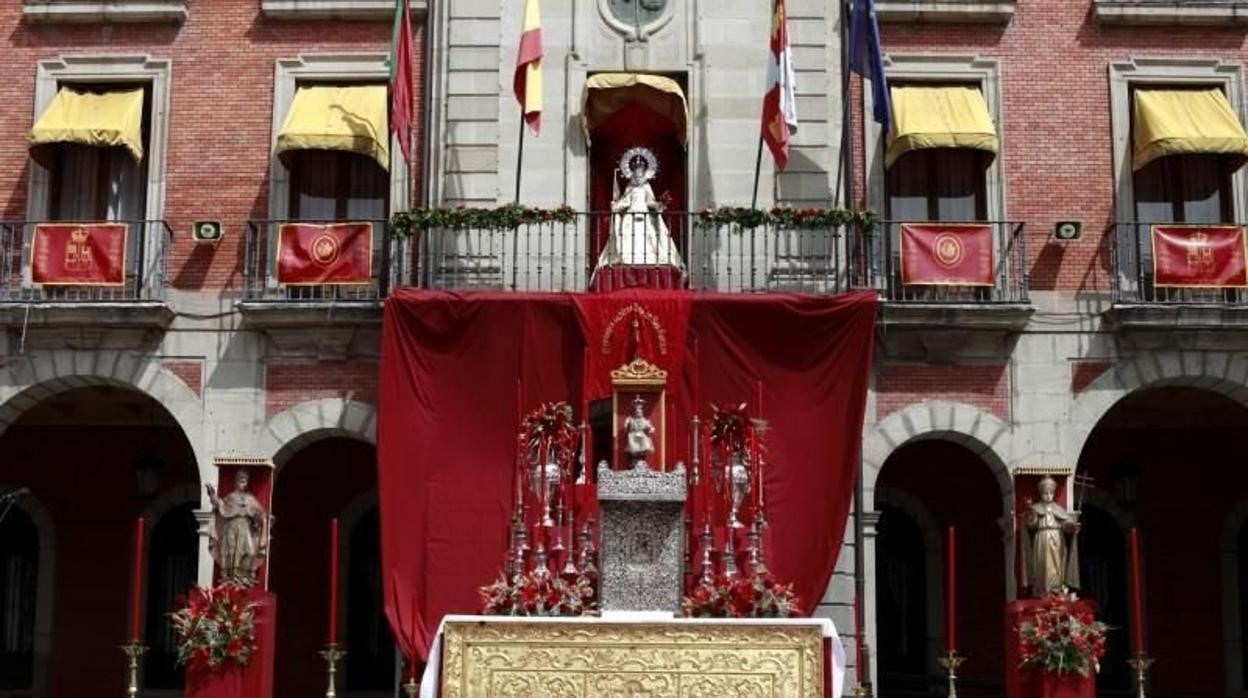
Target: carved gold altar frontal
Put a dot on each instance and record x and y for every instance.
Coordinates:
(655, 660)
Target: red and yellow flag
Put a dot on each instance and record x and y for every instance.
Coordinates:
(337, 253)
(947, 254)
(1199, 256)
(79, 254)
(527, 82)
(780, 101)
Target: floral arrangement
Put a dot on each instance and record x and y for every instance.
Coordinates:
(538, 593)
(215, 626)
(727, 427)
(785, 217)
(742, 596)
(1062, 639)
(505, 217)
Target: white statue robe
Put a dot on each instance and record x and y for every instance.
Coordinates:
(638, 235)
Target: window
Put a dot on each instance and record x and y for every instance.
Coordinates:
(19, 567)
(941, 184)
(334, 185)
(79, 11)
(1184, 189)
(94, 183)
(172, 567)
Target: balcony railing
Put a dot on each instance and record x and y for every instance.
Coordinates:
(565, 256)
(147, 262)
(260, 281)
(1009, 269)
(1131, 256)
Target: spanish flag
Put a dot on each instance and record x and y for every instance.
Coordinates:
(528, 79)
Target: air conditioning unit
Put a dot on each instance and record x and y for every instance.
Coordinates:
(1065, 231)
(207, 232)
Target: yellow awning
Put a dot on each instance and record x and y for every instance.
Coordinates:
(953, 116)
(103, 120)
(351, 118)
(1184, 122)
(606, 93)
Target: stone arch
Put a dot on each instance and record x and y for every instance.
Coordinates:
(308, 422)
(32, 378)
(1224, 373)
(976, 430)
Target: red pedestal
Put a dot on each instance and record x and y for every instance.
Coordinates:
(256, 679)
(1021, 683)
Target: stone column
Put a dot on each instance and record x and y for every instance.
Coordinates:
(643, 539)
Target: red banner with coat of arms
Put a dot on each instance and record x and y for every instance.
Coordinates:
(79, 254)
(947, 254)
(1199, 256)
(334, 253)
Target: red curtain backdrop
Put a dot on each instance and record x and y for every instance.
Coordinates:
(1199, 256)
(448, 416)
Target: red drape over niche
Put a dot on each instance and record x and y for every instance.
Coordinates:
(630, 126)
(448, 418)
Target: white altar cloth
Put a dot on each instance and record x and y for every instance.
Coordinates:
(432, 678)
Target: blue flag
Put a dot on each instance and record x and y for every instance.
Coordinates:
(867, 58)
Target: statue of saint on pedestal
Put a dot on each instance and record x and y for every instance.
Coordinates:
(638, 234)
(639, 430)
(240, 533)
(1050, 545)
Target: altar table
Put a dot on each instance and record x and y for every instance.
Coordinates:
(484, 656)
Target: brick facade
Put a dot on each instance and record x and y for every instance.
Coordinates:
(986, 386)
(220, 118)
(290, 382)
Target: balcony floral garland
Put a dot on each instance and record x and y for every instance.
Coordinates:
(1062, 639)
(784, 217)
(215, 627)
(505, 217)
(756, 595)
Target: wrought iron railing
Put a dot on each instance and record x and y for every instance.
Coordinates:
(1132, 273)
(260, 282)
(146, 267)
(568, 255)
(882, 254)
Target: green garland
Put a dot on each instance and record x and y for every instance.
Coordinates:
(506, 217)
(785, 217)
(512, 216)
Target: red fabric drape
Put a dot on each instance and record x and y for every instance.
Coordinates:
(448, 419)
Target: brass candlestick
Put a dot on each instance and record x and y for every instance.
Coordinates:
(1140, 664)
(862, 690)
(134, 651)
(951, 661)
(332, 656)
(411, 687)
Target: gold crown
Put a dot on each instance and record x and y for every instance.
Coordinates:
(79, 235)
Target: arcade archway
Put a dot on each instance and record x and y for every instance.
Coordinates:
(1169, 461)
(925, 486)
(93, 458)
(326, 478)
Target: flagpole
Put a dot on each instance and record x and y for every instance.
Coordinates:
(758, 166)
(520, 156)
(845, 164)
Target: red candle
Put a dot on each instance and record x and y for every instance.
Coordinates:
(951, 592)
(1136, 614)
(136, 579)
(333, 581)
